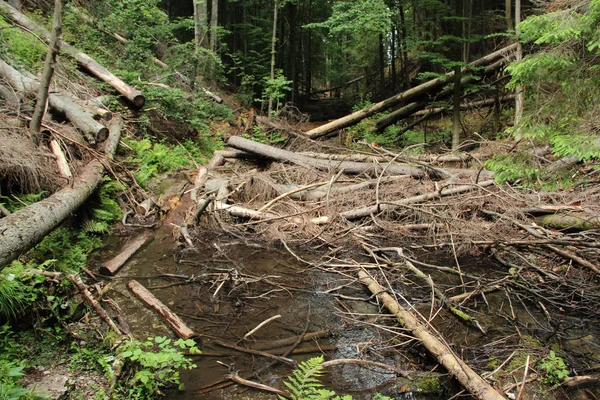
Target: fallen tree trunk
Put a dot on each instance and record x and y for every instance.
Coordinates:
(348, 167)
(571, 222)
(377, 208)
(358, 116)
(411, 108)
(92, 129)
(170, 318)
(474, 383)
(133, 95)
(61, 160)
(23, 229)
(113, 266)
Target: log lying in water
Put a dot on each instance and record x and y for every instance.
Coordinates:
(91, 129)
(23, 229)
(133, 95)
(348, 167)
(168, 316)
(113, 266)
(474, 383)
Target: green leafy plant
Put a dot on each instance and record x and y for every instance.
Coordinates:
(513, 167)
(555, 369)
(155, 158)
(259, 135)
(150, 366)
(22, 48)
(303, 383)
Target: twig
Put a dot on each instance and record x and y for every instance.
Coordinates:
(282, 359)
(265, 322)
(237, 379)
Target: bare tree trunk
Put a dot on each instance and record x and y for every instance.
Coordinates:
(273, 54)
(508, 14)
(53, 50)
(214, 23)
(200, 15)
(426, 87)
(456, 127)
(25, 228)
(519, 56)
(133, 95)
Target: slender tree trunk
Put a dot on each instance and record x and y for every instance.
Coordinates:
(214, 23)
(456, 126)
(53, 50)
(200, 16)
(273, 53)
(404, 49)
(381, 67)
(508, 14)
(393, 51)
(519, 56)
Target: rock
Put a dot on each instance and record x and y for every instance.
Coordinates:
(53, 386)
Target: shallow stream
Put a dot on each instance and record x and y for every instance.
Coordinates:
(235, 285)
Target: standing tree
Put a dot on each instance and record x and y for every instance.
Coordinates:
(48, 72)
(200, 15)
(214, 22)
(273, 54)
(519, 56)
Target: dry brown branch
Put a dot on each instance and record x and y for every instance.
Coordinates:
(445, 356)
(113, 266)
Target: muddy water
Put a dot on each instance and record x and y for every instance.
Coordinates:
(235, 285)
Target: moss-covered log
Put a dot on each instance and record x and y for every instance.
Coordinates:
(572, 222)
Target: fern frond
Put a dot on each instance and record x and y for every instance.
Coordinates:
(303, 383)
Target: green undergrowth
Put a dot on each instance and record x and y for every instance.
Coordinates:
(21, 48)
(151, 158)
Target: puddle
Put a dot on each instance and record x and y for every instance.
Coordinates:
(237, 285)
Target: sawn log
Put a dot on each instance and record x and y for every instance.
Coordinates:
(133, 95)
(170, 318)
(92, 130)
(23, 229)
(348, 167)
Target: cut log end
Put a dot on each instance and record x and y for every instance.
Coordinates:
(102, 135)
(139, 100)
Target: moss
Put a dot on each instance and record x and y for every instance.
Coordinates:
(429, 384)
(493, 363)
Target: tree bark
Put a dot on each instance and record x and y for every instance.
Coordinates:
(200, 27)
(214, 23)
(133, 95)
(456, 126)
(444, 355)
(519, 57)
(170, 318)
(348, 167)
(571, 222)
(273, 54)
(61, 160)
(426, 87)
(53, 50)
(25, 228)
(92, 129)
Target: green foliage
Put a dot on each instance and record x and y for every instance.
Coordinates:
(14, 204)
(16, 293)
(513, 167)
(154, 158)
(303, 383)
(149, 366)
(275, 88)
(357, 18)
(555, 369)
(259, 135)
(24, 49)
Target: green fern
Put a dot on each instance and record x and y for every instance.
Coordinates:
(304, 384)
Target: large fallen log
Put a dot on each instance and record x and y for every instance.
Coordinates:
(23, 229)
(474, 383)
(133, 95)
(426, 87)
(170, 318)
(92, 130)
(377, 208)
(348, 167)
(411, 108)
